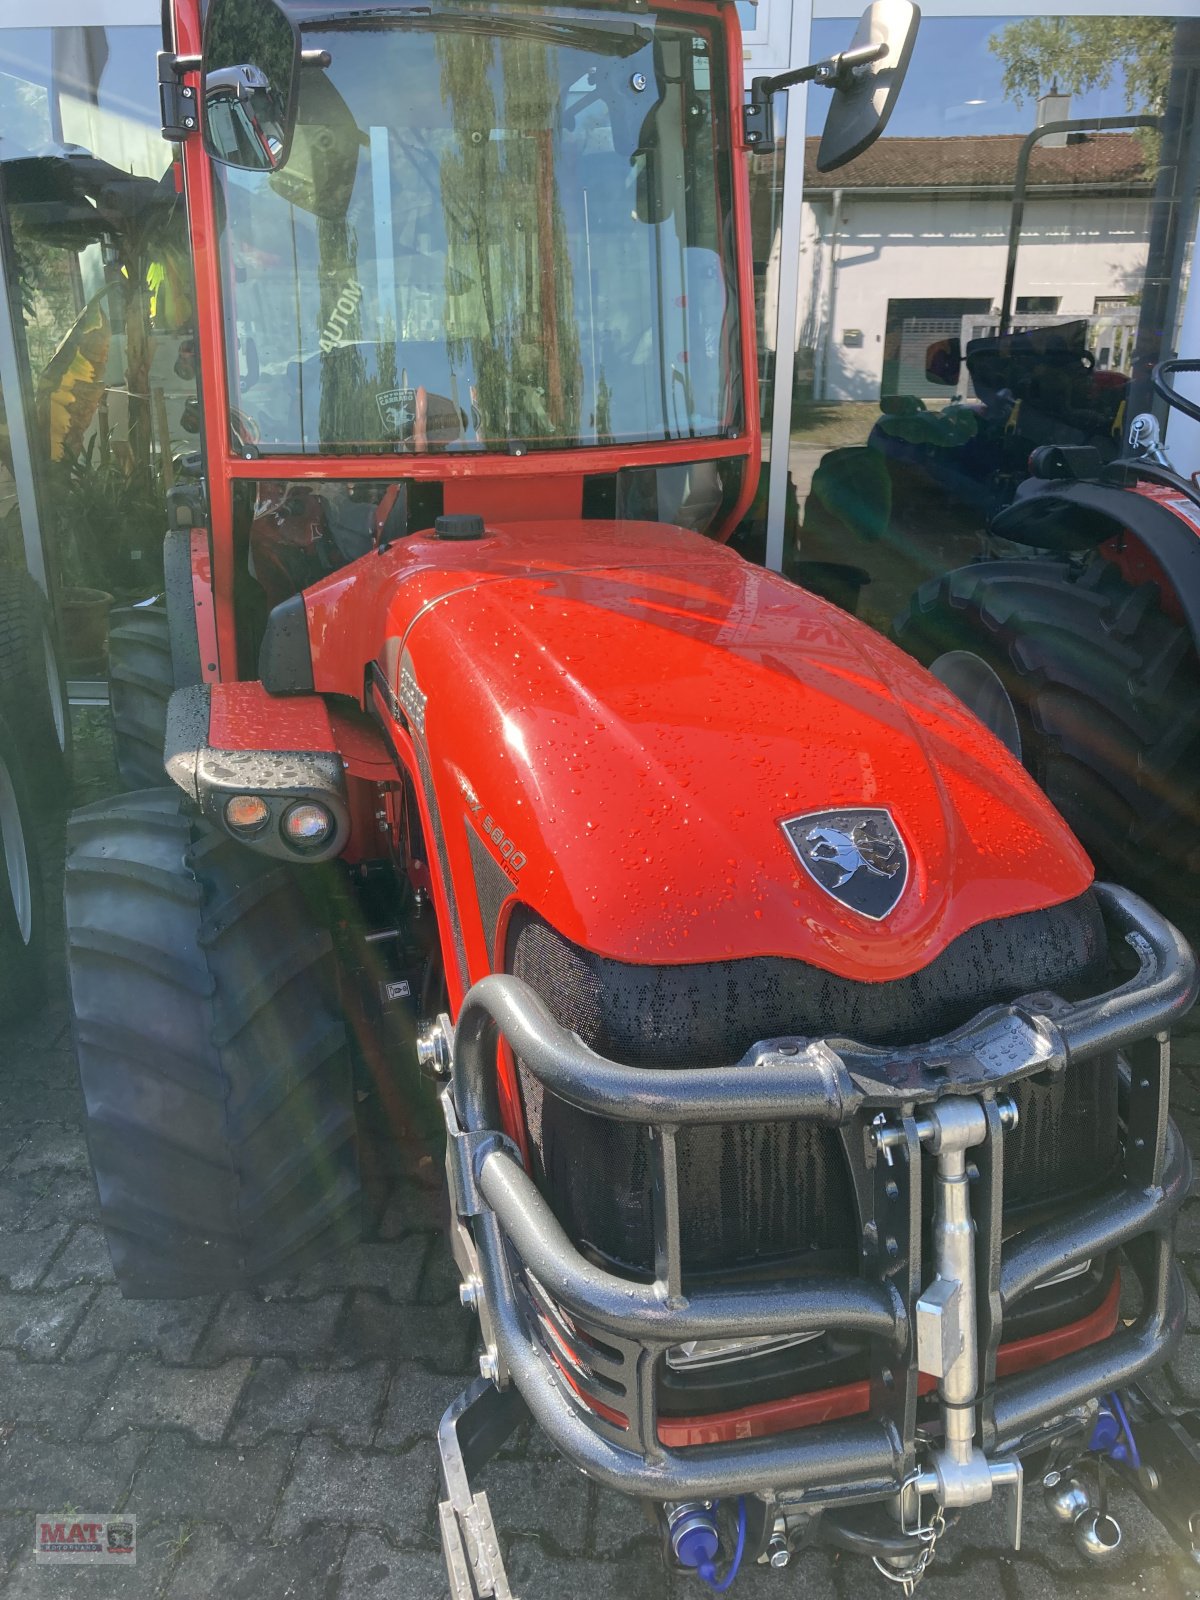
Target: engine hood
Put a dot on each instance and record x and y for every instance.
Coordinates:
(627, 740)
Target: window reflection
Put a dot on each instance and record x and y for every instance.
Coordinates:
(10, 513)
(103, 281)
(298, 532)
(766, 216)
(301, 532)
(920, 391)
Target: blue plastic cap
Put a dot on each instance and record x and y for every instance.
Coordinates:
(697, 1546)
(1106, 1431)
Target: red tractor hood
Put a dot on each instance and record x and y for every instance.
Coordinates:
(629, 738)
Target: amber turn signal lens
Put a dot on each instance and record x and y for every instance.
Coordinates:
(306, 825)
(247, 813)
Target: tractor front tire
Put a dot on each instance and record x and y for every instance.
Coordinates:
(1106, 688)
(141, 680)
(212, 1053)
(22, 906)
(33, 690)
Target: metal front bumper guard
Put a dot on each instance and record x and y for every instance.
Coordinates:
(947, 1094)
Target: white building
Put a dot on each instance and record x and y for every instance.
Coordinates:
(909, 243)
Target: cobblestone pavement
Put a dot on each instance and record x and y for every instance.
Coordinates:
(281, 1444)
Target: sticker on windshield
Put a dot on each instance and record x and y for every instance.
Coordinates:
(336, 328)
(398, 412)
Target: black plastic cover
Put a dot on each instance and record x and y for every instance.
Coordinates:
(285, 655)
(181, 608)
(1078, 516)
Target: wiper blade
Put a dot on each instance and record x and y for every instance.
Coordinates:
(625, 39)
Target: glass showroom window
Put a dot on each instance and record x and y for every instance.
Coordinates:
(972, 286)
(96, 257)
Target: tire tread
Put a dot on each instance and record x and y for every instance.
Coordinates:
(141, 681)
(220, 1110)
(1108, 685)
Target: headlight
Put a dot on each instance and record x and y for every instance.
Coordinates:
(717, 1352)
(307, 825)
(247, 813)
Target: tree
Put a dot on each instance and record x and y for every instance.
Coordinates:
(1082, 53)
(506, 236)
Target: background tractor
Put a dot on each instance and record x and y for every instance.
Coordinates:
(1075, 638)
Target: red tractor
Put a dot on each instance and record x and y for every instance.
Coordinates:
(804, 1096)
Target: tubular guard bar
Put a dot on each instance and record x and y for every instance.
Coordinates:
(526, 1270)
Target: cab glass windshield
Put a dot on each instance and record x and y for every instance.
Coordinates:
(496, 230)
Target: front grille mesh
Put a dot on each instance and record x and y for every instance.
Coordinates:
(751, 1195)
(1065, 1142)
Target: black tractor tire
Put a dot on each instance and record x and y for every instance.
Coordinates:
(141, 680)
(33, 688)
(212, 1053)
(1106, 688)
(22, 901)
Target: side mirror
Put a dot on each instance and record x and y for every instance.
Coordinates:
(865, 80)
(943, 361)
(251, 68)
(864, 100)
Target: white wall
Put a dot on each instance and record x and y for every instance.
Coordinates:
(928, 247)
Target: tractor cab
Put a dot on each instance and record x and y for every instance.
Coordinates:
(474, 249)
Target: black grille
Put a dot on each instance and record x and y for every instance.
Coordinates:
(1065, 1143)
(751, 1195)
(491, 886)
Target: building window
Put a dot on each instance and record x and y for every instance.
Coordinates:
(1038, 305)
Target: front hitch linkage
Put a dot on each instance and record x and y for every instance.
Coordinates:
(947, 1344)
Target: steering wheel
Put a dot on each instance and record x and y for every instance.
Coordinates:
(1169, 393)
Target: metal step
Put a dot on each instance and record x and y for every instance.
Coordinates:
(87, 691)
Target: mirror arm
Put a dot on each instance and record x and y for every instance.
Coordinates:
(836, 73)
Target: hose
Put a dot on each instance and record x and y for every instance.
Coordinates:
(709, 1572)
(1135, 1459)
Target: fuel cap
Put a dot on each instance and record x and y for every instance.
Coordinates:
(459, 525)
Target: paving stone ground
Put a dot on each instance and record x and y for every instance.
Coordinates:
(282, 1444)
